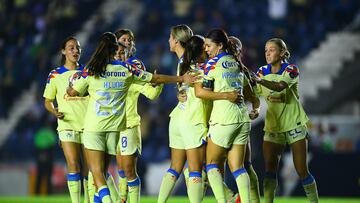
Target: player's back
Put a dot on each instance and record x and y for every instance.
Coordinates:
(106, 109)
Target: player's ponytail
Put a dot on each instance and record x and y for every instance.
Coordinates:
(283, 48)
(62, 47)
(103, 55)
(193, 52)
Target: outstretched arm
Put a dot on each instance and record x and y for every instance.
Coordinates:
(202, 93)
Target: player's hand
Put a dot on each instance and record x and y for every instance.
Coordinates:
(235, 97)
(182, 97)
(154, 84)
(58, 114)
(191, 77)
(254, 77)
(254, 113)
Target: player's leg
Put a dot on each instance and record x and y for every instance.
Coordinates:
(215, 157)
(272, 154)
(178, 158)
(195, 164)
(254, 182)
(236, 156)
(72, 155)
(85, 172)
(112, 139)
(122, 183)
(299, 150)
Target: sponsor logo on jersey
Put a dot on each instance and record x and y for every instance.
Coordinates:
(229, 64)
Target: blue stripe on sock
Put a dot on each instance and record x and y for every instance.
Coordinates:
(270, 175)
(211, 166)
(195, 174)
(172, 171)
(135, 182)
(73, 176)
(247, 164)
(121, 173)
(97, 199)
(103, 192)
(239, 172)
(308, 180)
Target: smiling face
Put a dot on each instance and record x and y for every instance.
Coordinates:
(126, 40)
(120, 54)
(273, 54)
(72, 51)
(211, 48)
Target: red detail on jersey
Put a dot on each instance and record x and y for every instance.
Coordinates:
(52, 75)
(292, 69)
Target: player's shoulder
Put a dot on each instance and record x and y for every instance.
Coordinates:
(136, 62)
(264, 70)
(56, 73)
(292, 70)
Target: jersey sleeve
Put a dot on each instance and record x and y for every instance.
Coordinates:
(140, 76)
(291, 75)
(50, 88)
(81, 82)
(151, 92)
(259, 87)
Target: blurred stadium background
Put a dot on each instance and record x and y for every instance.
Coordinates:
(323, 37)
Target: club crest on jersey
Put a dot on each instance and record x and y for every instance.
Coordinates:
(292, 70)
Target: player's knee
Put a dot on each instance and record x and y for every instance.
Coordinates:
(130, 172)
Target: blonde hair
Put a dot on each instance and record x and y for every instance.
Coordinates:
(281, 44)
(181, 33)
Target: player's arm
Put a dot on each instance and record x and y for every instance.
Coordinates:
(202, 93)
(186, 78)
(72, 92)
(49, 106)
(151, 92)
(250, 96)
(273, 85)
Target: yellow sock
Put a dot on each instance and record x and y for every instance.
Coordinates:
(310, 188)
(254, 183)
(104, 194)
(123, 188)
(216, 182)
(74, 185)
(91, 187)
(167, 185)
(114, 194)
(86, 192)
(243, 184)
(270, 185)
(134, 190)
(195, 187)
(186, 175)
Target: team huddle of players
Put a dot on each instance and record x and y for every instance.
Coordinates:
(210, 126)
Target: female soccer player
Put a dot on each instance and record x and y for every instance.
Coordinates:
(70, 113)
(107, 80)
(229, 122)
(236, 45)
(285, 121)
(129, 146)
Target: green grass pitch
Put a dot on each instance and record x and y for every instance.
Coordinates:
(148, 199)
